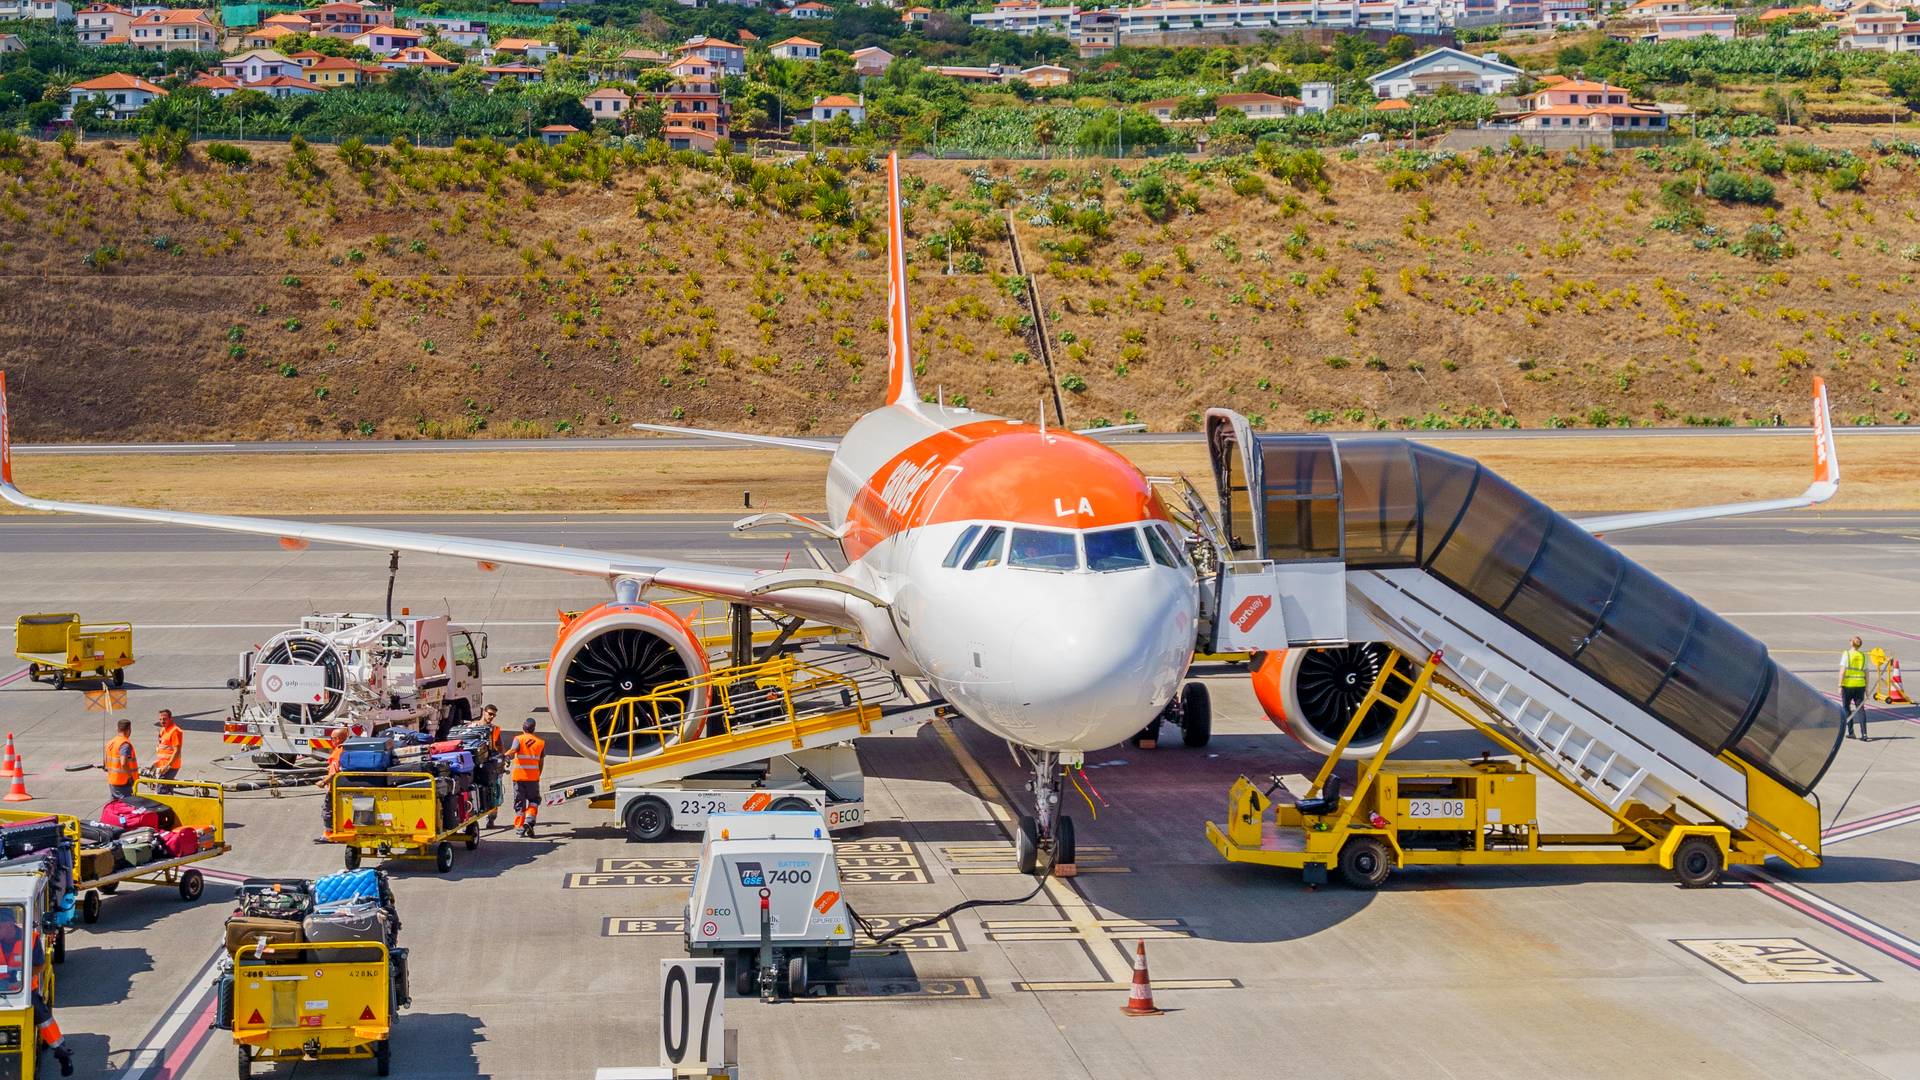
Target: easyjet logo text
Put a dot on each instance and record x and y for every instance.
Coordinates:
(905, 482)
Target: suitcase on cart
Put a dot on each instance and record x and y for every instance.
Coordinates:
(364, 921)
(249, 929)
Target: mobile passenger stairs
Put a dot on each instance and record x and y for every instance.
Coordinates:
(769, 730)
(1580, 664)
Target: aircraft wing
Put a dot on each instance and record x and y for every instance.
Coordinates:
(815, 445)
(826, 602)
(1826, 483)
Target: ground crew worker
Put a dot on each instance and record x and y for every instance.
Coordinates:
(496, 742)
(1853, 688)
(168, 754)
(13, 955)
(529, 758)
(340, 735)
(120, 762)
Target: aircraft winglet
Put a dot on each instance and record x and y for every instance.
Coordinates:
(6, 436)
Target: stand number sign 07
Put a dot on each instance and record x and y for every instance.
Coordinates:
(691, 1008)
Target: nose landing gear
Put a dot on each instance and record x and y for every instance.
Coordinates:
(1044, 839)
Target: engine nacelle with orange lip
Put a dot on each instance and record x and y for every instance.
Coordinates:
(616, 651)
(1311, 694)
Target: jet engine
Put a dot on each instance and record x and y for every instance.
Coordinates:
(1311, 693)
(617, 651)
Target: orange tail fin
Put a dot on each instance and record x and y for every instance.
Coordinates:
(899, 349)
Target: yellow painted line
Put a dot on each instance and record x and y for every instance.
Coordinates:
(989, 791)
(988, 871)
(1158, 984)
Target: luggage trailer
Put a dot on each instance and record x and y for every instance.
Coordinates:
(398, 819)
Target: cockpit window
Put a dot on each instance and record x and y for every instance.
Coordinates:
(1158, 542)
(992, 547)
(960, 546)
(1114, 549)
(1176, 543)
(1035, 549)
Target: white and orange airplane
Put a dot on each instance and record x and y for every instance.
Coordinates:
(1030, 576)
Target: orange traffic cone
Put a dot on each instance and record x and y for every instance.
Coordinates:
(1140, 997)
(10, 760)
(1896, 693)
(18, 792)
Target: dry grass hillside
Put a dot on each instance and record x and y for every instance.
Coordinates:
(147, 293)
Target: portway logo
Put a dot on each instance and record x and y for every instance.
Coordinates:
(1249, 612)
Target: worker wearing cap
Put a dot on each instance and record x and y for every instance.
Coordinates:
(1853, 688)
(13, 955)
(120, 762)
(168, 755)
(497, 744)
(529, 757)
(340, 735)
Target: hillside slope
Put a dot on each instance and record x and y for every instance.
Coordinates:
(148, 293)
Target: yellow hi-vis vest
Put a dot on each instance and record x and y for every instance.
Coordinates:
(1853, 670)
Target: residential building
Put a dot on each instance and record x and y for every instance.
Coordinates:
(218, 85)
(125, 94)
(1038, 75)
(387, 40)
(836, 106)
(1030, 17)
(526, 73)
(607, 103)
(1716, 24)
(284, 86)
(1462, 71)
(257, 64)
(1316, 97)
(170, 29)
(335, 71)
(1565, 14)
(344, 20)
(811, 9)
(746, 37)
(1098, 34)
(95, 23)
(1259, 106)
(644, 57)
(731, 58)
(1648, 9)
(306, 58)
(692, 103)
(1579, 105)
(11, 43)
(686, 138)
(1163, 16)
(466, 33)
(1878, 28)
(914, 16)
(796, 48)
(872, 60)
(532, 50)
(266, 37)
(1812, 11)
(419, 59)
(56, 11)
(555, 134)
(1045, 75)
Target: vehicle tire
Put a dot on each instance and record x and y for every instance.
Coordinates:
(788, 805)
(647, 819)
(90, 907)
(382, 1058)
(246, 1062)
(192, 883)
(1026, 845)
(58, 681)
(33, 672)
(796, 979)
(1196, 715)
(352, 858)
(744, 975)
(110, 888)
(473, 836)
(1365, 862)
(443, 857)
(60, 946)
(1063, 841)
(1697, 862)
(119, 676)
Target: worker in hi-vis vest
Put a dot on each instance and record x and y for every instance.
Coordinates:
(528, 755)
(1853, 688)
(170, 751)
(121, 763)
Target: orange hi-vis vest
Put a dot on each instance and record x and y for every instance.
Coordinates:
(172, 742)
(121, 764)
(529, 754)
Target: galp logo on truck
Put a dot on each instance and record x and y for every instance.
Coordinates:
(751, 876)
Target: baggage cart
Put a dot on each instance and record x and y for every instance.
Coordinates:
(58, 648)
(200, 805)
(301, 1002)
(26, 895)
(398, 815)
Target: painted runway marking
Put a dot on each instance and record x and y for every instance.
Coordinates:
(1857, 625)
(961, 989)
(1772, 961)
(937, 936)
(1854, 925)
(980, 859)
(1158, 984)
(152, 1050)
(1891, 819)
(1067, 930)
(862, 862)
(8, 680)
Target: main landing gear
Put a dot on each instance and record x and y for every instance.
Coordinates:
(1044, 838)
(1191, 711)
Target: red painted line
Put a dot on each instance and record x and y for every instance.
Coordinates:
(188, 1048)
(1854, 932)
(1874, 820)
(1856, 624)
(9, 680)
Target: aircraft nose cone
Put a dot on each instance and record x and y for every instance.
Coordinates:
(1089, 674)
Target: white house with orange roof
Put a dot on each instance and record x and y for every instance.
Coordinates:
(125, 94)
(1579, 105)
(11, 43)
(607, 103)
(1722, 25)
(257, 64)
(915, 16)
(266, 37)
(731, 58)
(55, 11)
(95, 23)
(284, 86)
(387, 40)
(1648, 9)
(872, 60)
(345, 21)
(796, 48)
(1877, 27)
(835, 106)
(218, 85)
(810, 9)
(174, 29)
(418, 58)
(466, 33)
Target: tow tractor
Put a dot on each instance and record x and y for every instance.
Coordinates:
(25, 896)
(367, 673)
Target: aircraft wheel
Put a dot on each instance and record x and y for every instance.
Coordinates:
(1063, 841)
(1026, 845)
(1196, 715)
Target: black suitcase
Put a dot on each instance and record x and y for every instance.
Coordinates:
(29, 837)
(97, 834)
(260, 900)
(223, 1003)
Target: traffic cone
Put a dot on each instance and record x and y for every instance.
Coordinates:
(10, 760)
(18, 792)
(1140, 997)
(1896, 693)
